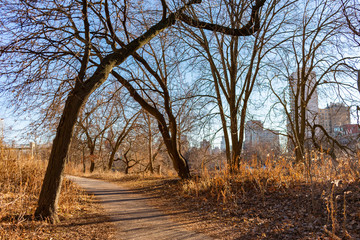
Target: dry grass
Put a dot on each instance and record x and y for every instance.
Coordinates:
(272, 176)
(312, 200)
(279, 201)
(133, 179)
(20, 183)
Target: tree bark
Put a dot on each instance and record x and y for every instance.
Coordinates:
(83, 159)
(92, 157)
(111, 159)
(92, 164)
(48, 200)
(179, 162)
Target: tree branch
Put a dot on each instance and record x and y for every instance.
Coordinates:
(248, 29)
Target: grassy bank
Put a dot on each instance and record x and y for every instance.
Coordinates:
(20, 183)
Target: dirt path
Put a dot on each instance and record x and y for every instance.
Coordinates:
(134, 218)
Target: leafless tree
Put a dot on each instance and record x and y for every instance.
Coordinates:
(234, 63)
(154, 87)
(95, 120)
(305, 63)
(41, 36)
(351, 12)
(129, 160)
(118, 133)
(148, 120)
(133, 151)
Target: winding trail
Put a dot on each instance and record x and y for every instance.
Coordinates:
(134, 218)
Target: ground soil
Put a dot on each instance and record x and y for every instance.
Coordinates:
(299, 212)
(85, 223)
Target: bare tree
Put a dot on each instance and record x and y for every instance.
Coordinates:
(116, 136)
(351, 12)
(96, 57)
(96, 119)
(306, 63)
(234, 64)
(154, 88)
(148, 121)
(129, 160)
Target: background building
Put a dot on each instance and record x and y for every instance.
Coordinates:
(257, 137)
(205, 144)
(223, 144)
(348, 135)
(334, 116)
(312, 108)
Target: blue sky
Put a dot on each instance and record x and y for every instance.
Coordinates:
(14, 127)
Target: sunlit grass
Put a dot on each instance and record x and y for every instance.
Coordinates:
(20, 184)
(271, 176)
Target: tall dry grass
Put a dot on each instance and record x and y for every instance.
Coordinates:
(273, 175)
(318, 175)
(20, 184)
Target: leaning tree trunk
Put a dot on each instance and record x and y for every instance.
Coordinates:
(179, 162)
(49, 195)
(48, 200)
